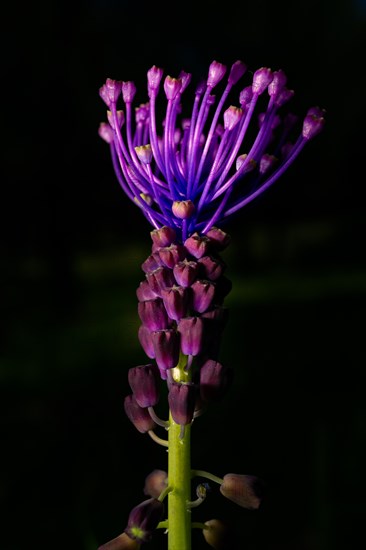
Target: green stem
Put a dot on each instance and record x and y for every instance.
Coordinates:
(179, 477)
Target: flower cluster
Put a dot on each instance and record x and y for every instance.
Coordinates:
(202, 168)
(188, 179)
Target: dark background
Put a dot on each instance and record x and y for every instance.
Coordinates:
(72, 466)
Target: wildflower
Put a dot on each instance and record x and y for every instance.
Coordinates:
(191, 174)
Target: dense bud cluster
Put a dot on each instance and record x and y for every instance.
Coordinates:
(182, 314)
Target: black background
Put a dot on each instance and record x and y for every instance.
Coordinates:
(72, 466)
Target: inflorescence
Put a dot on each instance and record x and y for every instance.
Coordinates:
(188, 178)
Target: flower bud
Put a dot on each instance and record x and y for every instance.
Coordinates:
(197, 245)
(128, 91)
(218, 238)
(246, 96)
(155, 483)
(183, 209)
(144, 336)
(214, 380)
(236, 72)
(185, 272)
(144, 519)
(232, 115)
(154, 76)
(145, 292)
(139, 416)
(153, 314)
(182, 399)
(106, 132)
(212, 268)
(215, 73)
(144, 383)
(245, 490)
(203, 293)
(312, 126)
(176, 301)
(160, 279)
(191, 330)
(164, 236)
(171, 255)
(144, 153)
(261, 79)
(172, 87)
(166, 346)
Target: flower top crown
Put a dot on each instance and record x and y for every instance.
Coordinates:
(196, 172)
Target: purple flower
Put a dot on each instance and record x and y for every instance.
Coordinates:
(144, 519)
(191, 174)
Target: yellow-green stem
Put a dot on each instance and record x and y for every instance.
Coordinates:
(179, 477)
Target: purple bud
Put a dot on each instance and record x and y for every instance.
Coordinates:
(261, 79)
(218, 238)
(144, 519)
(160, 279)
(172, 254)
(212, 268)
(155, 483)
(128, 91)
(144, 382)
(191, 330)
(163, 236)
(232, 115)
(144, 336)
(183, 209)
(182, 399)
(142, 113)
(312, 126)
(172, 87)
(203, 293)
(244, 490)
(122, 542)
(139, 417)
(144, 292)
(246, 96)
(236, 72)
(215, 74)
(151, 263)
(153, 314)
(277, 84)
(120, 118)
(166, 346)
(105, 132)
(113, 90)
(197, 245)
(214, 380)
(185, 272)
(284, 97)
(185, 78)
(266, 163)
(176, 301)
(144, 153)
(154, 76)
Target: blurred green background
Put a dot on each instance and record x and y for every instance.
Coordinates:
(72, 466)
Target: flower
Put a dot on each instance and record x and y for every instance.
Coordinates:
(144, 519)
(192, 173)
(245, 490)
